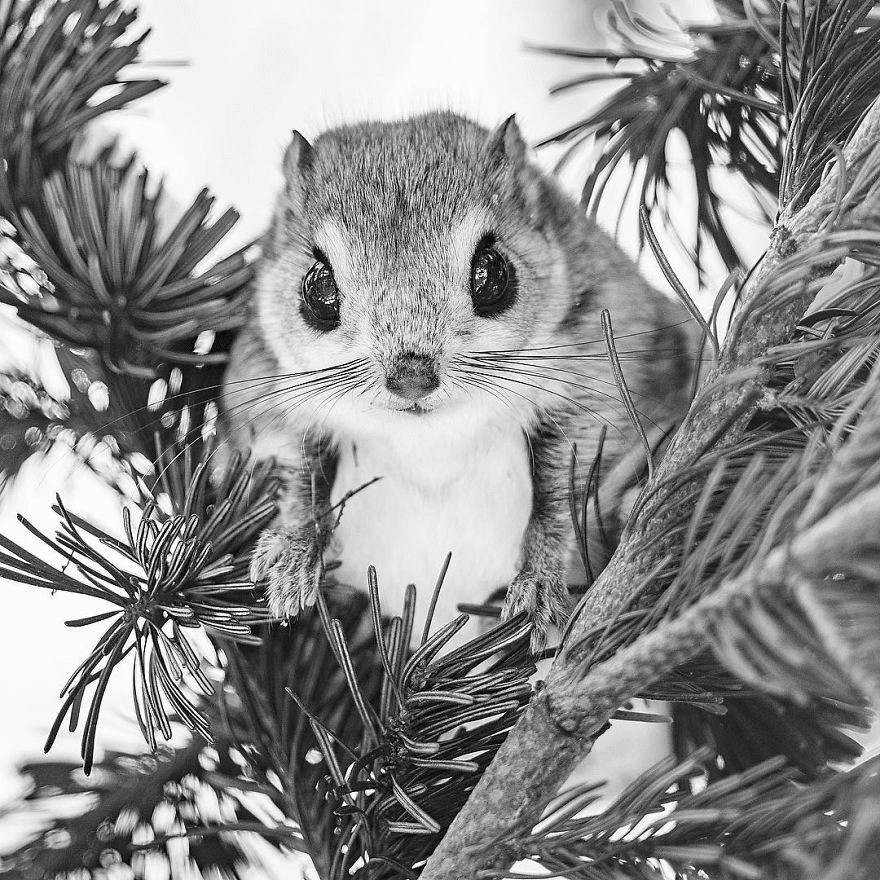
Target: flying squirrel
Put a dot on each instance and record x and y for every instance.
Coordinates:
(426, 311)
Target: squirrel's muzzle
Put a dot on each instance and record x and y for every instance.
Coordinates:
(412, 376)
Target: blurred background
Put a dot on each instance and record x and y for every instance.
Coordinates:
(241, 77)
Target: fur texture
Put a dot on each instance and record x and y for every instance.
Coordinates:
(479, 465)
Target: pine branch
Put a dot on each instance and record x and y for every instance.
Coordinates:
(440, 722)
(61, 66)
(274, 731)
(549, 739)
(747, 621)
(772, 302)
(98, 270)
(189, 806)
(760, 823)
(728, 90)
(118, 286)
(718, 87)
(843, 539)
(170, 574)
(102, 437)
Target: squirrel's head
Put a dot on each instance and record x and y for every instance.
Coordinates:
(407, 245)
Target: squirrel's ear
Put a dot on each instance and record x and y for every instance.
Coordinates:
(298, 158)
(506, 144)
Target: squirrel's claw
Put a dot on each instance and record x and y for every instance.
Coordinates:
(291, 563)
(544, 598)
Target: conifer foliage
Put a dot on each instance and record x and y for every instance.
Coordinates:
(744, 590)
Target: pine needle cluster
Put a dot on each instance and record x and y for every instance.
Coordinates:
(744, 589)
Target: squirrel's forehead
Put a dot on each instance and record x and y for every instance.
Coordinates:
(436, 167)
(397, 214)
(350, 250)
(384, 185)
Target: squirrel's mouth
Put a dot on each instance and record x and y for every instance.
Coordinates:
(419, 407)
(415, 409)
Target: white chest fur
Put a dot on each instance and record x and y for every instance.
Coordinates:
(449, 483)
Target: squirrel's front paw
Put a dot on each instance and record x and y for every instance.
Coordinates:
(543, 597)
(291, 562)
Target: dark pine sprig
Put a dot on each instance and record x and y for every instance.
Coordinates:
(273, 733)
(116, 283)
(101, 263)
(361, 737)
(102, 433)
(61, 66)
(762, 823)
(719, 89)
(170, 573)
(440, 718)
(187, 806)
(842, 36)
(740, 86)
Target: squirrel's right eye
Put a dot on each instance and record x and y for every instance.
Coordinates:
(320, 298)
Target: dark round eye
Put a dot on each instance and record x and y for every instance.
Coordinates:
(493, 287)
(320, 298)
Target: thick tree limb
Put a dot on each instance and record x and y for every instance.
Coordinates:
(572, 708)
(561, 723)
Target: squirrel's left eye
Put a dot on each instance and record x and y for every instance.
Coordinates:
(493, 282)
(319, 304)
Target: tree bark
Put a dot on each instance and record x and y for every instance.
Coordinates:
(561, 723)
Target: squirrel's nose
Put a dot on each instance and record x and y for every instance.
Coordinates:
(412, 376)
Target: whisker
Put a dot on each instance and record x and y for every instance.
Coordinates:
(567, 398)
(252, 383)
(549, 415)
(535, 374)
(299, 397)
(599, 341)
(372, 384)
(526, 362)
(313, 387)
(335, 398)
(330, 379)
(185, 449)
(632, 354)
(240, 409)
(336, 395)
(483, 385)
(500, 376)
(612, 398)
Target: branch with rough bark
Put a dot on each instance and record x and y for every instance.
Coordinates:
(561, 723)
